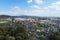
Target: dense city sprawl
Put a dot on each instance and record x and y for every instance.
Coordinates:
(29, 28)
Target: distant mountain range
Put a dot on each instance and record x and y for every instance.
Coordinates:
(4, 16)
(21, 16)
(8, 16)
(26, 16)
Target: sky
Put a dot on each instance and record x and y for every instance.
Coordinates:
(46, 8)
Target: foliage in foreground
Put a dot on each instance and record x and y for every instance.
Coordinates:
(13, 32)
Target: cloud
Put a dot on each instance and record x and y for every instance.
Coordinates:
(35, 6)
(29, 1)
(51, 10)
(18, 11)
(54, 6)
(57, 5)
(35, 1)
(38, 1)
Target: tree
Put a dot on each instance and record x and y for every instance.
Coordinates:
(54, 36)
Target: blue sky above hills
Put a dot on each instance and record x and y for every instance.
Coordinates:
(30, 7)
